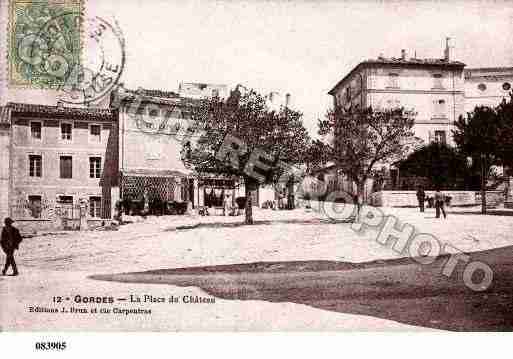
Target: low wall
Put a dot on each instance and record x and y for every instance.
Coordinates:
(37, 225)
(458, 198)
(34, 225)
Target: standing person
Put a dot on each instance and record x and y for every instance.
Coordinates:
(421, 198)
(227, 205)
(280, 199)
(439, 203)
(10, 242)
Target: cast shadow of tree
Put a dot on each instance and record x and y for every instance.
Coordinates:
(399, 289)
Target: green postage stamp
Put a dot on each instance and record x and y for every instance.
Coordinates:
(45, 42)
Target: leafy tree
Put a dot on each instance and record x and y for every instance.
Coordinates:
(478, 135)
(364, 138)
(441, 165)
(505, 140)
(316, 155)
(242, 137)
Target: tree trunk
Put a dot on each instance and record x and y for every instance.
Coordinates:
(290, 192)
(250, 186)
(360, 189)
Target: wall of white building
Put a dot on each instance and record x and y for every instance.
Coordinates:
(487, 87)
(435, 94)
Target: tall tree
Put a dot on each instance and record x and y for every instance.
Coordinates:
(364, 138)
(440, 164)
(242, 137)
(478, 135)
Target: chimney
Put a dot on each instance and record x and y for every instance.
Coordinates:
(403, 54)
(287, 100)
(447, 51)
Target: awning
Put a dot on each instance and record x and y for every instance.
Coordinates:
(139, 172)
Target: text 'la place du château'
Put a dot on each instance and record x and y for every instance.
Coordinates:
(187, 299)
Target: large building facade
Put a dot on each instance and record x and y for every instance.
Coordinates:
(60, 164)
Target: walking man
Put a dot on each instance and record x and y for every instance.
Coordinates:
(439, 203)
(10, 242)
(421, 198)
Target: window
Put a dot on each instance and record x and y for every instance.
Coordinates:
(66, 166)
(95, 167)
(437, 81)
(35, 164)
(481, 87)
(506, 86)
(35, 130)
(393, 80)
(34, 204)
(66, 131)
(440, 110)
(95, 207)
(440, 137)
(95, 133)
(66, 199)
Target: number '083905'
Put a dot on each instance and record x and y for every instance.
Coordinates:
(50, 345)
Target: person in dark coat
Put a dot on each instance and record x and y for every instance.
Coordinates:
(439, 203)
(421, 198)
(10, 241)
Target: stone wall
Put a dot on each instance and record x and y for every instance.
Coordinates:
(458, 198)
(33, 226)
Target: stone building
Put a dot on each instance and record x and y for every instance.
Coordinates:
(59, 165)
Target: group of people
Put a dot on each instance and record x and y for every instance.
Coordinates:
(439, 201)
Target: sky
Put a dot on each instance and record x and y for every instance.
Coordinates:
(299, 47)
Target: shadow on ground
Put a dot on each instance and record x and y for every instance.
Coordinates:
(491, 212)
(310, 222)
(400, 289)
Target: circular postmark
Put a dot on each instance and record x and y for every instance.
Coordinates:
(101, 70)
(48, 54)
